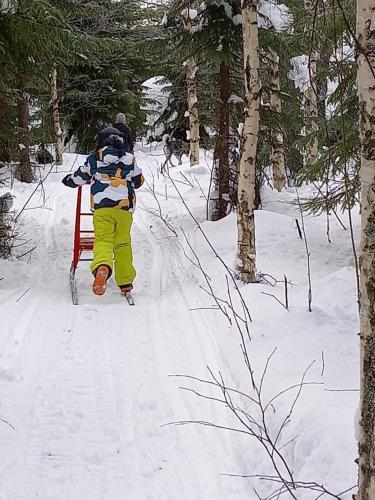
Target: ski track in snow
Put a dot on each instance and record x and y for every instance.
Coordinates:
(87, 387)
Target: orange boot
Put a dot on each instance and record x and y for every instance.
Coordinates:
(100, 282)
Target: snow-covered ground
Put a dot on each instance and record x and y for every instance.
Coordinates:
(88, 389)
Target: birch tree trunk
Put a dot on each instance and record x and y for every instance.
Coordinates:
(24, 171)
(246, 181)
(192, 100)
(366, 94)
(311, 96)
(220, 199)
(56, 117)
(277, 151)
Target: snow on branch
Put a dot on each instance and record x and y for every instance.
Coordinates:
(189, 13)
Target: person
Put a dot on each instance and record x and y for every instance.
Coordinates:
(121, 125)
(114, 175)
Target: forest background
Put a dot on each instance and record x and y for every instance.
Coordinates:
(68, 66)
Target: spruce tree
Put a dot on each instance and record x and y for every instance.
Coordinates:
(95, 88)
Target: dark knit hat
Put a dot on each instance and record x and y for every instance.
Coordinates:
(110, 136)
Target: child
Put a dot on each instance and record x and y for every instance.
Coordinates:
(113, 175)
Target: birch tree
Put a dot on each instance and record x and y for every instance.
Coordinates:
(56, 117)
(366, 95)
(277, 146)
(246, 182)
(311, 95)
(192, 100)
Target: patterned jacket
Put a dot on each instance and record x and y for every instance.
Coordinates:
(113, 176)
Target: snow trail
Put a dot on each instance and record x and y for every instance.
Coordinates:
(87, 388)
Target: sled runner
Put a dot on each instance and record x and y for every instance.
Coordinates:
(82, 243)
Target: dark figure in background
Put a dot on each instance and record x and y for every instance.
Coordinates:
(125, 130)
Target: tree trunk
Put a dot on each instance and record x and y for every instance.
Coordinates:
(322, 84)
(311, 96)
(4, 145)
(192, 100)
(366, 94)
(323, 62)
(24, 170)
(277, 152)
(221, 155)
(246, 181)
(56, 117)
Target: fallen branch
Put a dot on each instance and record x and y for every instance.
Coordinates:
(19, 298)
(274, 296)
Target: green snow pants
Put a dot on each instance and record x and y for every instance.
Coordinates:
(113, 242)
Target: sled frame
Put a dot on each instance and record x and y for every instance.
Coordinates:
(82, 243)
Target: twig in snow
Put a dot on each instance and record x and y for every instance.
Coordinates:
(226, 302)
(288, 442)
(210, 382)
(19, 298)
(255, 422)
(284, 391)
(187, 180)
(251, 424)
(263, 278)
(6, 422)
(286, 292)
(307, 485)
(158, 212)
(73, 164)
(40, 183)
(209, 193)
(287, 418)
(342, 390)
(24, 254)
(207, 279)
(177, 180)
(155, 213)
(323, 364)
(200, 187)
(21, 244)
(309, 295)
(326, 196)
(274, 296)
(299, 229)
(230, 271)
(214, 308)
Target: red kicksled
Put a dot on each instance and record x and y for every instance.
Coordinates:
(82, 243)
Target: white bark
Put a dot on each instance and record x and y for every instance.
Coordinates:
(56, 117)
(366, 95)
(246, 182)
(277, 151)
(192, 99)
(311, 96)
